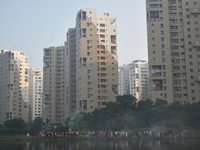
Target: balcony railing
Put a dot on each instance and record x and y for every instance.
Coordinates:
(196, 44)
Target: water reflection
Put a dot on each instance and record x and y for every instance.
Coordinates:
(104, 145)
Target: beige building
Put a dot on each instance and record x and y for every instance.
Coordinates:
(173, 28)
(70, 45)
(54, 85)
(96, 60)
(82, 75)
(35, 93)
(14, 85)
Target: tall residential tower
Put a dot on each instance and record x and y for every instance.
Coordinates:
(14, 85)
(173, 28)
(54, 85)
(35, 93)
(96, 60)
(82, 75)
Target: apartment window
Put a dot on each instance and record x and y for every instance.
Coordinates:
(102, 25)
(196, 16)
(188, 22)
(163, 53)
(84, 15)
(188, 16)
(196, 29)
(197, 35)
(187, 3)
(84, 32)
(163, 67)
(196, 22)
(189, 36)
(102, 30)
(194, 3)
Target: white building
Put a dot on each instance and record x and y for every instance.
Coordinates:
(35, 93)
(138, 76)
(133, 79)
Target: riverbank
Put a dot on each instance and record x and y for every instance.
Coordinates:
(88, 138)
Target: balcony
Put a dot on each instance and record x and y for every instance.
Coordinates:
(157, 85)
(197, 79)
(195, 11)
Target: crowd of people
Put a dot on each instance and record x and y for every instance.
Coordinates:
(123, 134)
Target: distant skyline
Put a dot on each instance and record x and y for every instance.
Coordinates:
(30, 26)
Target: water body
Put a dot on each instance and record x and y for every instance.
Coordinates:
(179, 144)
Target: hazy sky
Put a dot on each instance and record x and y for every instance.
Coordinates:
(31, 25)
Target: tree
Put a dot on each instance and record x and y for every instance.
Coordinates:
(36, 125)
(160, 104)
(127, 101)
(15, 126)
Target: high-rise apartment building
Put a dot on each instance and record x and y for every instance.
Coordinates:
(96, 60)
(173, 28)
(82, 75)
(54, 85)
(138, 77)
(133, 80)
(14, 85)
(124, 81)
(70, 45)
(35, 93)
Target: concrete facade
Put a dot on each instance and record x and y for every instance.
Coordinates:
(35, 93)
(124, 81)
(14, 85)
(54, 85)
(138, 76)
(83, 76)
(174, 50)
(133, 80)
(96, 60)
